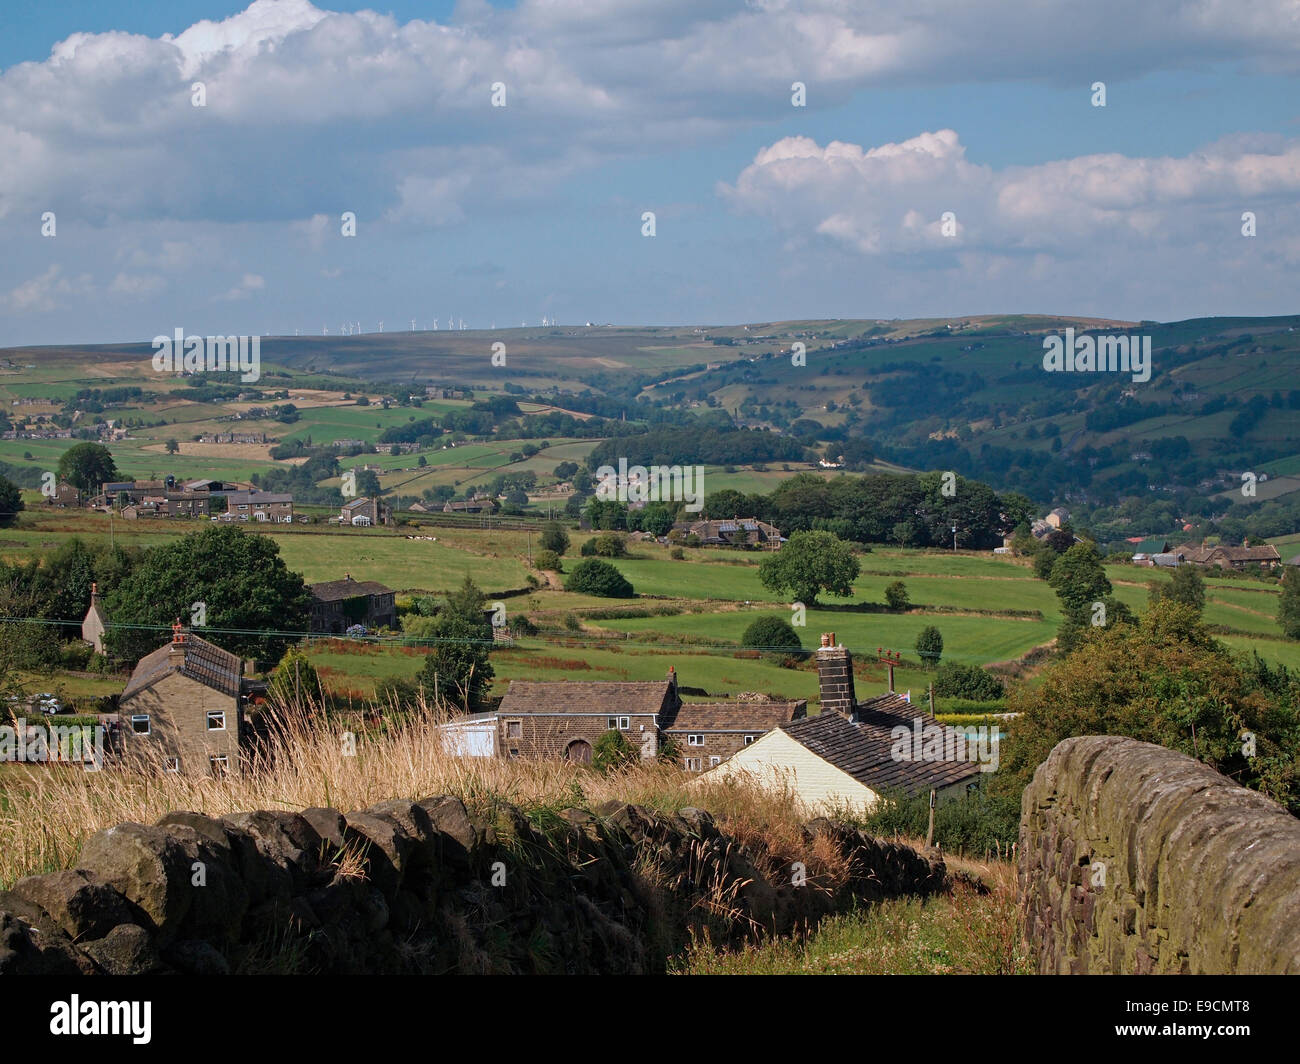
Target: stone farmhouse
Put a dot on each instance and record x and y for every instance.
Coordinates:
(564, 720)
(184, 705)
(1226, 557)
(849, 755)
(270, 506)
(365, 513)
(707, 733)
(738, 532)
(338, 604)
(169, 504)
(65, 495)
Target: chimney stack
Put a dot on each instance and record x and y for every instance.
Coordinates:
(835, 678)
(178, 634)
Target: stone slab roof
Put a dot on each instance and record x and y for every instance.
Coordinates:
(698, 717)
(528, 698)
(196, 658)
(339, 590)
(865, 752)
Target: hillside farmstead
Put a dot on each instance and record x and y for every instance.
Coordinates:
(184, 705)
(849, 755)
(564, 721)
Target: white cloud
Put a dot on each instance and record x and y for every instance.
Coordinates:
(45, 292)
(248, 284)
(136, 286)
(890, 198)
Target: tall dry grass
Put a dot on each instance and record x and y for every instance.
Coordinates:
(48, 811)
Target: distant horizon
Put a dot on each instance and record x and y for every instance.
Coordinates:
(778, 323)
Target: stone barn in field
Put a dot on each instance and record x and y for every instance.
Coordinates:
(184, 704)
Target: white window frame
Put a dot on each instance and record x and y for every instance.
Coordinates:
(514, 729)
(173, 764)
(216, 713)
(218, 761)
(695, 740)
(749, 739)
(136, 718)
(624, 723)
(714, 760)
(694, 764)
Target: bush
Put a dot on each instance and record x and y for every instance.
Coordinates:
(677, 554)
(774, 634)
(610, 545)
(554, 538)
(968, 681)
(572, 623)
(975, 823)
(521, 625)
(548, 561)
(588, 548)
(929, 645)
(896, 596)
(612, 751)
(594, 577)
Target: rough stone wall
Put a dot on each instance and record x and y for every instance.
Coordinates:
(427, 887)
(1136, 859)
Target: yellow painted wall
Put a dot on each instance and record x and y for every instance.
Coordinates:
(776, 760)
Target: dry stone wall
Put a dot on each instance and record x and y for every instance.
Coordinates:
(1137, 859)
(426, 887)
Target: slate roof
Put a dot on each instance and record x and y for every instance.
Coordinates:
(696, 717)
(339, 590)
(196, 658)
(1204, 555)
(864, 751)
(528, 698)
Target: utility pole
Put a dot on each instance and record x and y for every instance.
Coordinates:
(954, 539)
(929, 834)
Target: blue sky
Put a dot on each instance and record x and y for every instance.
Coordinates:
(226, 218)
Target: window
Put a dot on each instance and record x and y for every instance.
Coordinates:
(514, 729)
(173, 764)
(695, 740)
(714, 761)
(514, 751)
(693, 764)
(220, 764)
(216, 720)
(140, 723)
(624, 723)
(749, 739)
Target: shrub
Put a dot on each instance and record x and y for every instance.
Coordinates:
(572, 623)
(612, 751)
(588, 548)
(974, 823)
(677, 554)
(968, 681)
(610, 545)
(774, 634)
(929, 645)
(548, 561)
(594, 577)
(554, 538)
(896, 596)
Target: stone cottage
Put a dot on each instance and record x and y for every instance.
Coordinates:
(338, 604)
(184, 705)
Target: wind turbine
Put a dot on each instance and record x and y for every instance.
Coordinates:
(435, 324)
(412, 325)
(324, 330)
(381, 324)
